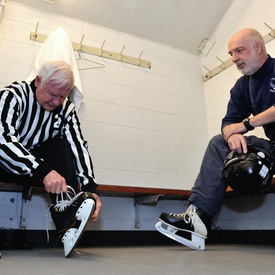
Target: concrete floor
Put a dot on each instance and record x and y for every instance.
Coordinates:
(176, 259)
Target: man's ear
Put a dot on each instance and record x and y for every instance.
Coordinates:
(258, 47)
(37, 81)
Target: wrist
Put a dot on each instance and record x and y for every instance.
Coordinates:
(247, 124)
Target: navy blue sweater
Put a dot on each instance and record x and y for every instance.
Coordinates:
(243, 103)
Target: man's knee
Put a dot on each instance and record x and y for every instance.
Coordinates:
(217, 148)
(218, 140)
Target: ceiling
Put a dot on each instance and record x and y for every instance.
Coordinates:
(181, 24)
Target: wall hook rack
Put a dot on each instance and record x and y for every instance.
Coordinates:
(35, 36)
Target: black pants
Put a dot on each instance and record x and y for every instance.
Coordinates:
(57, 154)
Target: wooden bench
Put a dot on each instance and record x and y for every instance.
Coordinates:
(128, 191)
(133, 192)
(136, 192)
(116, 191)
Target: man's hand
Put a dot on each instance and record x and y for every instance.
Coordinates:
(235, 128)
(237, 143)
(96, 214)
(55, 183)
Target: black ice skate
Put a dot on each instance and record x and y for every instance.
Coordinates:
(71, 215)
(186, 228)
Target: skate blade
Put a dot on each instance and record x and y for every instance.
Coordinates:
(73, 235)
(197, 242)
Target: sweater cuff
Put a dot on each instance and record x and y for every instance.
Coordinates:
(90, 187)
(41, 171)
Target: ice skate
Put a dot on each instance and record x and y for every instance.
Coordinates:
(71, 215)
(186, 228)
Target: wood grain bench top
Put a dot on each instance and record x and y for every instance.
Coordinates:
(131, 191)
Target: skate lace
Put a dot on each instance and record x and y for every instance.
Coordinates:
(67, 199)
(188, 215)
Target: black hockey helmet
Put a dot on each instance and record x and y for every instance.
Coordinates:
(249, 172)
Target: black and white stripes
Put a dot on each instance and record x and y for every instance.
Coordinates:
(24, 125)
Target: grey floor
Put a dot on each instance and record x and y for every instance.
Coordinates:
(217, 259)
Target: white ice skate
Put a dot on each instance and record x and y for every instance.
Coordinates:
(71, 213)
(186, 228)
(73, 235)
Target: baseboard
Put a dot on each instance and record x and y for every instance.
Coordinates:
(265, 237)
(27, 239)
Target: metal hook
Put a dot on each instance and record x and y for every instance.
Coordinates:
(206, 68)
(120, 54)
(223, 63)
(209, 74)
(102, 48)
(80, 43)
(273, 32)
(139, 58)
(34, 36)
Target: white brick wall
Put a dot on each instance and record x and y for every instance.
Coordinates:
(133, 118)
(145, 127)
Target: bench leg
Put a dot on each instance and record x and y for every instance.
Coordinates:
(24, 213)
(26, 198)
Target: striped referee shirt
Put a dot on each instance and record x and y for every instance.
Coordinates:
(25, 125)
